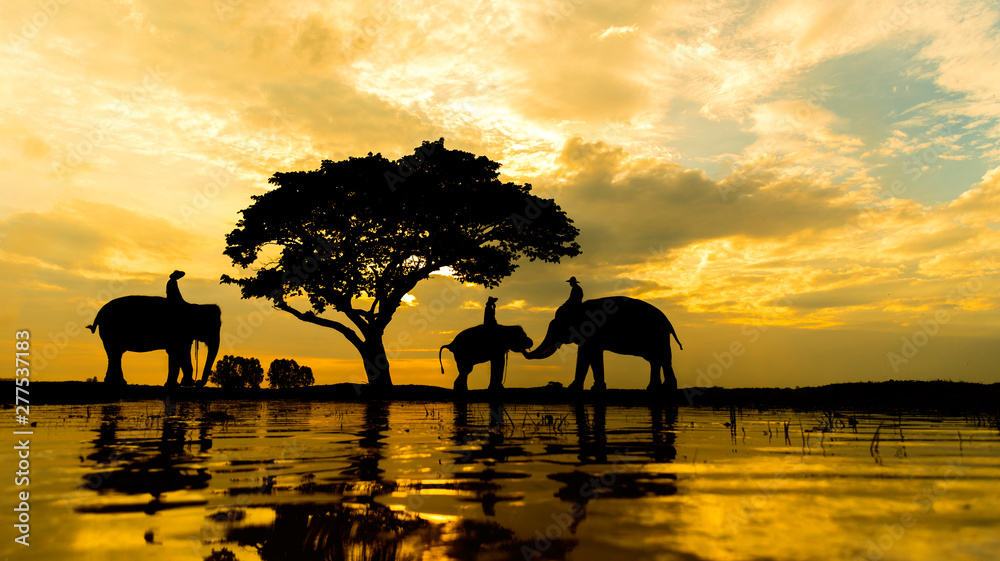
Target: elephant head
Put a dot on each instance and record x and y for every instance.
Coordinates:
(205, 323)
(565, 328)
(515, 338)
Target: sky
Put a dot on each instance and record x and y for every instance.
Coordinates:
(809, 191)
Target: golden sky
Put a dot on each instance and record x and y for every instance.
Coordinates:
(814, 184)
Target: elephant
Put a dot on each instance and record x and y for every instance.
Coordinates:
(485, 343)
(618, 324)
(149, 323)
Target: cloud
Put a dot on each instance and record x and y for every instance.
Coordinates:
(627, 207)
(719, 158)
(80, 235)
(616, 32)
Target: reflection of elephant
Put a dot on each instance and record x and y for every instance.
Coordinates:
(148, 323)
(617, 324)
(485, 343)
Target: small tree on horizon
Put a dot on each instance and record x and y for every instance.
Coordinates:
(286, 373)
(234, 372)
(357, 235)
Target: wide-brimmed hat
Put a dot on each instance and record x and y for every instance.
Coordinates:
(572, 280)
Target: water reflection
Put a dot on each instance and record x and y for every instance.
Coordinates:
(385, 480)
(331, 531)
(619, 477)
(133, 464)
(365, 461)
(485, 445)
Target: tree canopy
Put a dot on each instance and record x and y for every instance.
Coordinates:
(286, 373)
(237, 372)
(356, 235)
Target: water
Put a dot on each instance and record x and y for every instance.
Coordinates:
(304, 480)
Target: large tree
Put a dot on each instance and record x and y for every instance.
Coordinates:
(358, 234)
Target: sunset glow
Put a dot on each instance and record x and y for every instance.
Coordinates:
(823, 176)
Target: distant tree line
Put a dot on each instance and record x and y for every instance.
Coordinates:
(233, 372)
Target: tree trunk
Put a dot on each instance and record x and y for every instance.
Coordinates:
(376, 363)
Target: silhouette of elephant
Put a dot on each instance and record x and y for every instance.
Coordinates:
(618, 324)
(150, 323)
(484, 343)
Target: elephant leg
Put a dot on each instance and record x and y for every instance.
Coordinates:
(187, 369)
(597, 363)
(173, 367)
(462, 382)
(114, 375)
(496, 373)
(654, 374)
(582, 365)
(669, 378)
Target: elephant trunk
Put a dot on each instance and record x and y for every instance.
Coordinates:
(545, 349)
(213, 351)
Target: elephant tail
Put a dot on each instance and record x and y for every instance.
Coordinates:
(673, 332)
(443, 347)
(97, 321)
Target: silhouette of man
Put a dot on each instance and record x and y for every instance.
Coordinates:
(490, 315)
(575, 293)
(173, 292)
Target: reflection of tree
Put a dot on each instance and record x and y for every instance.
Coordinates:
(360, 527)
(375, 532)
(135, 466)
(334, 531)
(365, 462)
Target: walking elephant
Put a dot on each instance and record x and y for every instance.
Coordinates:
(150, 323)
(484, 343)
(618, 324)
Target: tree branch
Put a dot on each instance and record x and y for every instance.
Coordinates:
(335, 325)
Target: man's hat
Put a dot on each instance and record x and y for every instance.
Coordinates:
(490, 299)
(572, 280)
(176, 274)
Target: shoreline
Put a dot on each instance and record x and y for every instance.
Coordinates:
(939, 396)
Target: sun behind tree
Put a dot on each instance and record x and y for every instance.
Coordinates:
(358, 234)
